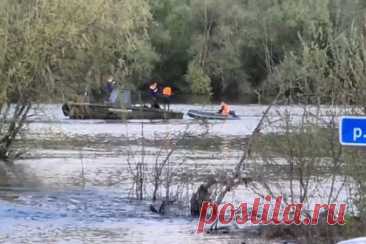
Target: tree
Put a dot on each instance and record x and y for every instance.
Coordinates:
(56, 48)
(200, 82)
(216, 43)
(330, 70)
(171, 37)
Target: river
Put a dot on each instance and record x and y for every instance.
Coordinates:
(80, 182)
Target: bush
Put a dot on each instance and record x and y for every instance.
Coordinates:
(198, 79)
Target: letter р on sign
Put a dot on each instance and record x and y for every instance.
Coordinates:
(352, 131)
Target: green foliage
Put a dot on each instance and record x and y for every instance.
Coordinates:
(61, 46)
(328, 67)
(217, 41)
(54, 49)
(241, 45)
(171, 37)
(237, 42)
(199, 81)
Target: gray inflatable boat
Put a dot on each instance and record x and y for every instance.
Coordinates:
(207, 115)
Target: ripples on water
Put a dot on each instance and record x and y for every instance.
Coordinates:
(60, 211)
(91, 216)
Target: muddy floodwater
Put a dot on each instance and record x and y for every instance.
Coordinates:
(81, 189)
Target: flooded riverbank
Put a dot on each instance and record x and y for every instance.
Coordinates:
(83, 187)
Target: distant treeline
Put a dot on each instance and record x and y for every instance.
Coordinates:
(215, 48)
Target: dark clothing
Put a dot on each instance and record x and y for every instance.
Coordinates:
(166, 101)
(155, 104)
(100, 93)
(97, 95)
(154, 93)
(108, 88)
(232, 113)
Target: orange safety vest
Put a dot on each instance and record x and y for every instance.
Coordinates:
(167, 91)
(225, 109)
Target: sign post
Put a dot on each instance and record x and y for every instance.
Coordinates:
(352, 131)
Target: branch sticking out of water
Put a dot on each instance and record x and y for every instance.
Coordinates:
(236, 178)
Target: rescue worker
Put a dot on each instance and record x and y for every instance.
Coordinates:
(110, 90)
(154, 93)
(167, 93)
(154, 89)
(224, 109)
(109, 85)
(100, 90)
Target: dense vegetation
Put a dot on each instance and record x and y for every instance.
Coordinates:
(313, 51)
(210, 47)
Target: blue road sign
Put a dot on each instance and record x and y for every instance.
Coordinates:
(352, 131)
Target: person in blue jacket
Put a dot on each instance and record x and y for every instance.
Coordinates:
(154, 93)
(109, 90)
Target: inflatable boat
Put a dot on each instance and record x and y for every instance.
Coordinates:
(209, 115)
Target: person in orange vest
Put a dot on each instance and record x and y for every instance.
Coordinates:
(167, 93)
(224, 109)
